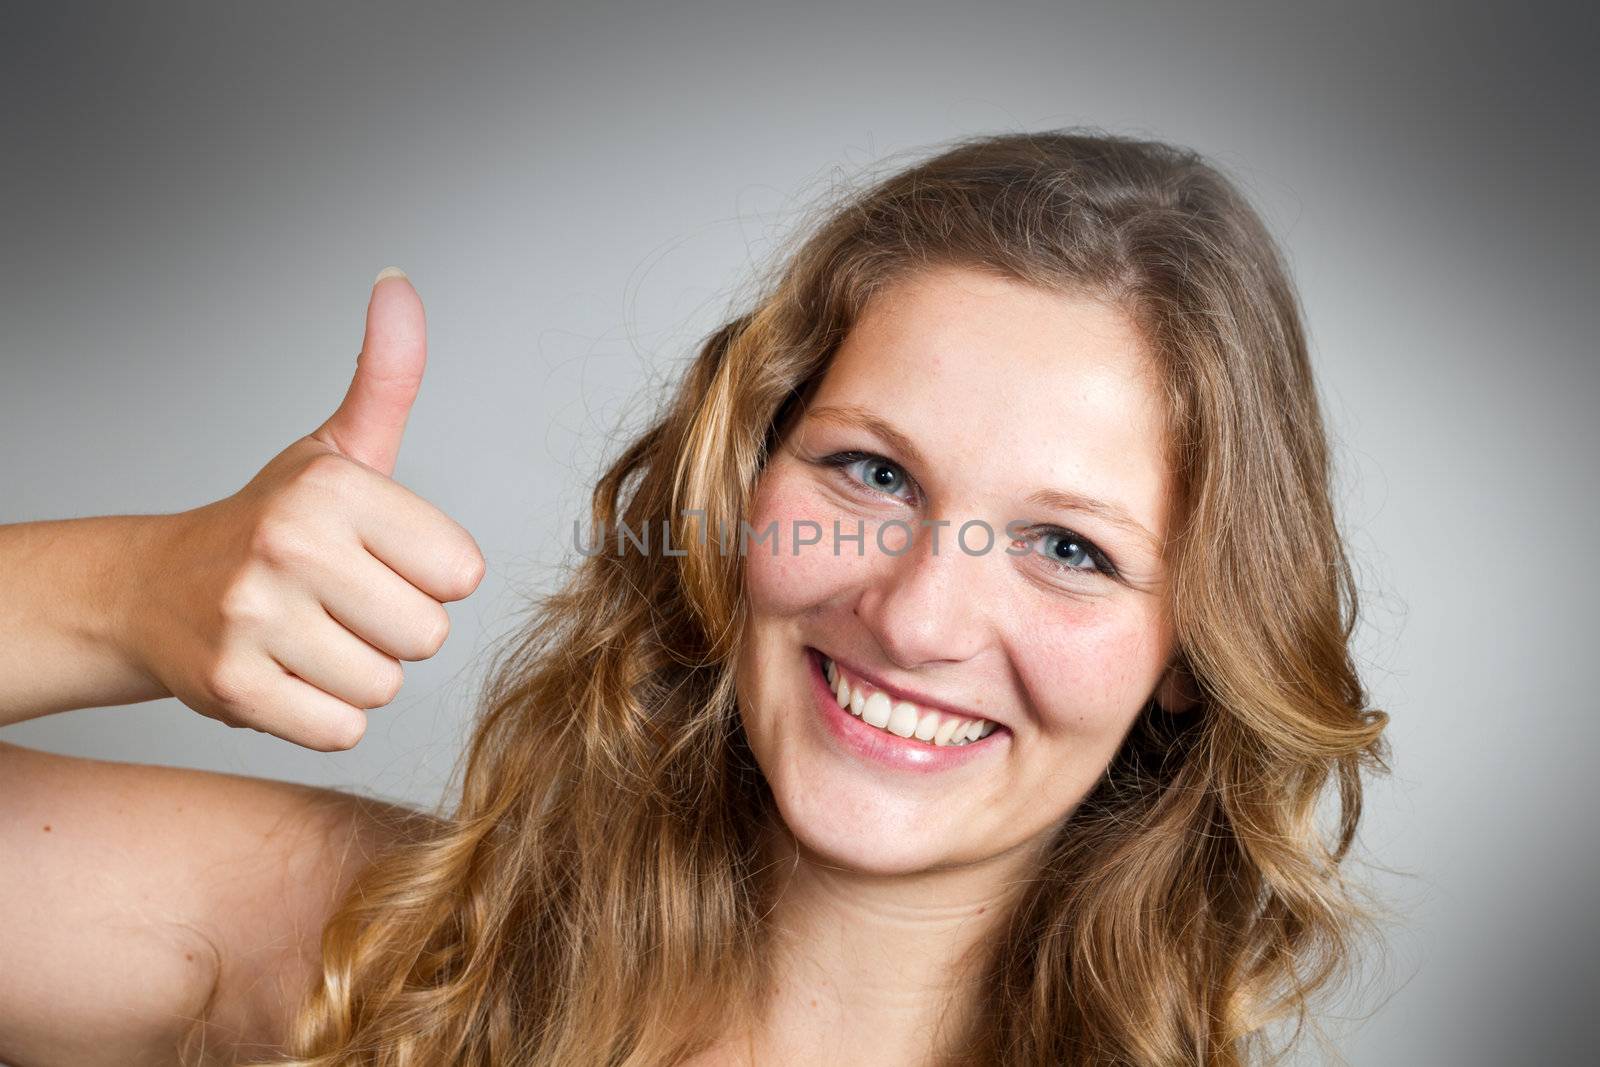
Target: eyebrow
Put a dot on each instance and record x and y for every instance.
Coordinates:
(1057, 499)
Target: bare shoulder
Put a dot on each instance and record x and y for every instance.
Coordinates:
(144, 907)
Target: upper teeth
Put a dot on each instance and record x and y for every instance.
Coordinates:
(901, 716)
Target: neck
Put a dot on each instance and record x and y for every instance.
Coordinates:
(871, 968)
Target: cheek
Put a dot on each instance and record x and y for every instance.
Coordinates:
(1092, 665)
(784, 575)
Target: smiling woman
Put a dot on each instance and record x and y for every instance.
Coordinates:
(1057, 646)
(1040, 796)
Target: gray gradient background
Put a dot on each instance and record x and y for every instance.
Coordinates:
(195, 200)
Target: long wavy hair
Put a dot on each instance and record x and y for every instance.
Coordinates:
(597, 895)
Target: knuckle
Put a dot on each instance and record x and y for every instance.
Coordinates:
(278, 541)
(327, 472)
(387, 684)
(244, 604)
(225, 717)
(436, 634)
(470, 571)
(227, 687)
(341, 733)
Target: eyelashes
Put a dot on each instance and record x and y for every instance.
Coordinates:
(897, 478)
(1072, 540)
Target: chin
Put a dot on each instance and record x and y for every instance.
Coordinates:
(843, 828)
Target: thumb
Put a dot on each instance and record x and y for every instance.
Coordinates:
(371, 419)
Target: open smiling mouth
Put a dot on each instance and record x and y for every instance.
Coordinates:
(890, 728)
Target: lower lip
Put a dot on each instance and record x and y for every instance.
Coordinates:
(891, 750)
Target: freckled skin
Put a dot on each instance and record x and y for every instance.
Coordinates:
(1004, 389)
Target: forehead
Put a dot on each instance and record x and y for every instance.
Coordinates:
(1029, 387)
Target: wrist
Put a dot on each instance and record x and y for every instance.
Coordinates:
(121, 583)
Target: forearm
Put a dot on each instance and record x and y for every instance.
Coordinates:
(65, 594)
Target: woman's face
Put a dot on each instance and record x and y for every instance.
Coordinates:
(958, 398)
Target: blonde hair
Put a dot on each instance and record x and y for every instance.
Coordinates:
(597, 896)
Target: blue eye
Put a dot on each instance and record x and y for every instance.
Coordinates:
(1069, 551)
(873, 472)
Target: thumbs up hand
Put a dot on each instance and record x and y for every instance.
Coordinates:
(288, 606)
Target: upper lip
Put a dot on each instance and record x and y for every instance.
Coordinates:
(902, 693)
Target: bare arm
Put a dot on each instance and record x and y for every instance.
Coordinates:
(147, 911)
(62, 593)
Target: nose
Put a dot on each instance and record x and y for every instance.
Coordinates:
(927, 604)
